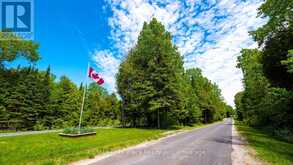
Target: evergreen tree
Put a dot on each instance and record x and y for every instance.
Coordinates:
(66, 103)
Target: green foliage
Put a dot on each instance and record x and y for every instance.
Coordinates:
(40, 126)
(260, 104)
(280, 16)
(11, 47)
(276, 38)
(33, 100)
(207, 96)
(155, 89)
(101, 108)
(274, 53)
(238, 106)
(267, 99)
(289, 61)
(271, 149)
(38, 102)
(22, 93)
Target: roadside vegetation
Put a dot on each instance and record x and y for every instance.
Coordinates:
(267, 99)
(269, 148)
(157, 91)
(265, 106)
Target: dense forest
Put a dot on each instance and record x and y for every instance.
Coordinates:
(267, 99)
(156, 90)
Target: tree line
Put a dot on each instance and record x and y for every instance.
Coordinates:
(154, 89)
(157, 91)
(267, 99)
(33, 100)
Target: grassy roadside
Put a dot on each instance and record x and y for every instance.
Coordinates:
(50, 148)
(268, 148)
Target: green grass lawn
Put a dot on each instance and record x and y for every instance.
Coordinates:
(50, 148)
(268, 148)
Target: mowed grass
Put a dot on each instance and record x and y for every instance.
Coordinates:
(268, 148)
(47, 149)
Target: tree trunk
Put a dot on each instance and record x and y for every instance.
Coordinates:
(158, 117)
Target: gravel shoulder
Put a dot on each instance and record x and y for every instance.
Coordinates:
(242, 154)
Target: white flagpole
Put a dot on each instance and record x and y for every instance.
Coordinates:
(83, 97)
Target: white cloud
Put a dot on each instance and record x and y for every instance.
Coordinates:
(109, 65)
(208, 34)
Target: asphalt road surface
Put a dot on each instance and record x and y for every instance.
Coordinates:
(205, 146)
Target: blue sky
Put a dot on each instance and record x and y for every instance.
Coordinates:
(67, 32)
(209, 34)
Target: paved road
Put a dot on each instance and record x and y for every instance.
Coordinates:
(206, 146)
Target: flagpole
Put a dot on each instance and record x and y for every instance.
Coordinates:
(83, 97)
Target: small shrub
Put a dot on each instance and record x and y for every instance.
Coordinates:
(40, 126)
(115, 123)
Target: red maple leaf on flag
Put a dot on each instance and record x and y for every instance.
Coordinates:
(95, 76)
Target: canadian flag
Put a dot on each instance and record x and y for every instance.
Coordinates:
(95, 76)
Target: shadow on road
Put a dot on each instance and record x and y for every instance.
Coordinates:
(235, 140)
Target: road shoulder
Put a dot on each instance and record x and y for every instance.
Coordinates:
(242, 154)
